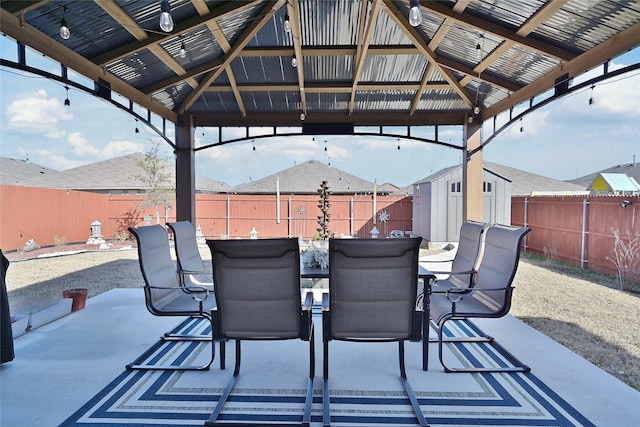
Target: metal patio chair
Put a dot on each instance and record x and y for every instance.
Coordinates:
(165, 295)
(258, 298)
(192, 269)
(372, 294)
(488, 297)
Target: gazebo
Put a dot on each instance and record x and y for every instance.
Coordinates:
(326, 67)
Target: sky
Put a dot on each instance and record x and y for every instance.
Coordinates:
(566, 139)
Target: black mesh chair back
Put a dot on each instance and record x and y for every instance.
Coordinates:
(373, 286)
(258, 298)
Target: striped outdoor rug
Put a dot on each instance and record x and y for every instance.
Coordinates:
(364, 382)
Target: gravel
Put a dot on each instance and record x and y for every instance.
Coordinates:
(580, 309)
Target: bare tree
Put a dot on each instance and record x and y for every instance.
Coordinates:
(626, 257)
(159, 185)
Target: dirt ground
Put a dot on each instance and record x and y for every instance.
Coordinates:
(580, 309)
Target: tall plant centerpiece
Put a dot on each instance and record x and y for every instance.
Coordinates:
(324, 205)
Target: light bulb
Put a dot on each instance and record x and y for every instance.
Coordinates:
(302, 116)
(294, 62)
(476, 110)
(183, 51)
(166, 21)
(287, 23)
(64, 30)
(415, 15)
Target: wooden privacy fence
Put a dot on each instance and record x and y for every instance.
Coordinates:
(577, 229)
(44, 214)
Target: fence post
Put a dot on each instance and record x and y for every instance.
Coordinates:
(526, 221)
(585, 204)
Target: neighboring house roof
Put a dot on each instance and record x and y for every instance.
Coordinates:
(522, 183)
(120, 173)
(631, 169)
(17, 171)
(306, 178)
(614, 183)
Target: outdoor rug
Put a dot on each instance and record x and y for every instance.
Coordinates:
(364, 381)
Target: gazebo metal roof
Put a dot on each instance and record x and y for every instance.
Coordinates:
(358, 61)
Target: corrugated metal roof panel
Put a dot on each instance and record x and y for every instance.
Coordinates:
(441, 100)
(216, 103)
(462, 44)
(393, 68)
(387, 32)
(523, 66)
(264, 70)
(173, 96)
(140, 70)
(391, 100)
(334, 102)
(329, 22)
(325, 68)
(271, 101)
(512, 13)
(200, 45)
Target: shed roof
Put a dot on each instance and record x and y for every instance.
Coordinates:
(522, 183)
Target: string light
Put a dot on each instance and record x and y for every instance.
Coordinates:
(137, 130)
(65, 33)
(183, 49)
(415, 15)
(521, 127)
(166, 21)
(398, 143)
(287, 23)
(294, 61)
(302, 116)
(67, 103)
(591, 101)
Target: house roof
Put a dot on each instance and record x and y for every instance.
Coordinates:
(522, 183)
(614, 182)
(17, 171)
(630, 169)
(120, 173)
(306, 178)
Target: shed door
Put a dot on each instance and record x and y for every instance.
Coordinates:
(454, 210)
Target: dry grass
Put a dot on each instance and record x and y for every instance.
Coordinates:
(580, 309)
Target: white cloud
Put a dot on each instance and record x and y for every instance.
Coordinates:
(81, 147)
(36, 113)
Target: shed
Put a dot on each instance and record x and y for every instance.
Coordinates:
(437, 203)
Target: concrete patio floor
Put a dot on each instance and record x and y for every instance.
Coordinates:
(61, 365)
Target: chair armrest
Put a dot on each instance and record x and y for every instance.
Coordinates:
(325, 302)
(436, 260)
(461, 291)
(307, 305)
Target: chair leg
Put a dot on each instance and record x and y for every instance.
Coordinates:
(137, 363)
(518, 365)
(306, 418)
(225, 394)
(407, 386)
(326, 414)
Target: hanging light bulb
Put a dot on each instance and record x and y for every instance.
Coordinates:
(183, 50)
(166, 21)
(521, 127)
(476, 110)
(67, 103)
(137, 130)
(302, 116)
(591, 101)
(64, 28)
(287, 23)
(294, 61)
(415, 15)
